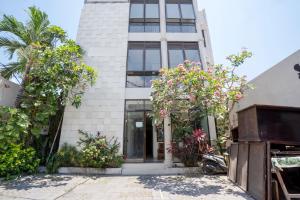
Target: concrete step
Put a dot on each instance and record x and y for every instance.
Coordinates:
(143, 168)
(153, 169)
(137, 166)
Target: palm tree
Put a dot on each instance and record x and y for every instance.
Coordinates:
(21, 40)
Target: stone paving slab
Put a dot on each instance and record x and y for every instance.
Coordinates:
(71, 187)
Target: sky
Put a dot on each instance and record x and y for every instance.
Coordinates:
(270, 29)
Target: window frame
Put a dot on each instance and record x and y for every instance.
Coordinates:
(183, 46)
(180, 20)
(144, 20)
(144, 72)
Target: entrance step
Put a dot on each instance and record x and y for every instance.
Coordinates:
(143, 168)
(153, 169)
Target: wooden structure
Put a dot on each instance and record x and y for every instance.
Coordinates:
(262, 131)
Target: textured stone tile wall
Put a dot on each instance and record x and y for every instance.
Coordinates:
(103, 33)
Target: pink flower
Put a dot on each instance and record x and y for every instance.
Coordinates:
(162, 113)
(210, 70)
(238, 96)
(170, 82)
(181, 68)
(217, 93)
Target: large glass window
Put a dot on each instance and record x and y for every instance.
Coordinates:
(173, 11)
(152, 11)
(180, 51)
(137, 10)
(180, 16)
(175, 57)
(135, 59)
(144, 16)
(187, 11)
(143, 63)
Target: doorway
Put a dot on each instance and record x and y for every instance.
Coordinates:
(138, 136)
(149, 138)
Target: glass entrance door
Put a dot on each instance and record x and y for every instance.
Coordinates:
(138, 131)
(135, 132)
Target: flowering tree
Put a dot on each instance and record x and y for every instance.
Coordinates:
(188, 90)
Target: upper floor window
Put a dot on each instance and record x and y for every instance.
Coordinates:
(144, 16)
(143, 63)
(180, 16)
(178, 52)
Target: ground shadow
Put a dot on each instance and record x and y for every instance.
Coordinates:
(188, 186)
(36, 181)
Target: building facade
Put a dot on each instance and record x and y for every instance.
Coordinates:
(8, 92)
(277, 86)
(128, 42)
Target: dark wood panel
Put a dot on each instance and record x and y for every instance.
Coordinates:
(248, 128)
(233, 162)
(269, 123)
(242, 165)
(257, 170)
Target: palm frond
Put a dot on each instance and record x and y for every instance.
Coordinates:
(38, 23)
(10, 45)
(10, 24)
(11, 69)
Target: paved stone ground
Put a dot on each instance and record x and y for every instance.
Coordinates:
(121, 188)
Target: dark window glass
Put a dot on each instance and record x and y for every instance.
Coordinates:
(152, 62)
(175, 57)
(152, 11)
(135, 81)
(144, 62)
(135, 59)
(204, 39)
(137, 10)
(192, 55)
(187, 11)
(132, 105)
(180, 51)
(148, 80)
(136, 27)
(188, 28)
(173, 27)
(173, 11)
(151, 27)
(180, 16)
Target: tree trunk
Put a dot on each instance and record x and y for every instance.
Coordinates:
(23, 84)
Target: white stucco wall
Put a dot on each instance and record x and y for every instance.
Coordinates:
(102, 33)
(280, 85)
(8, 92)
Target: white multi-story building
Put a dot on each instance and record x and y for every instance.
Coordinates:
(128, 42)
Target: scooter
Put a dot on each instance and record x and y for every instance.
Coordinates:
(213, 164)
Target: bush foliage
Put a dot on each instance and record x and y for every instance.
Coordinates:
(16, 160)
(99, 152)
(95, 151)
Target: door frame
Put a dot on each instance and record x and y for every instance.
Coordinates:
(145, 111)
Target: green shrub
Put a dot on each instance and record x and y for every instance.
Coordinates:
(17, 160)
(13, 127)
(67, 156)
(96, 151)
(99, 152)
